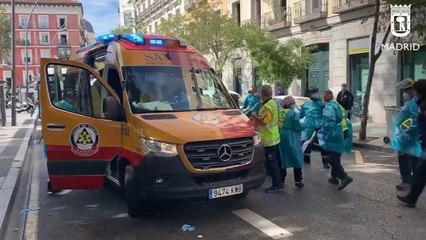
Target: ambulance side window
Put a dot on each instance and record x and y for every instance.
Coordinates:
(76, 90)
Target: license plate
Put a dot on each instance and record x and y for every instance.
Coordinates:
(225, 191)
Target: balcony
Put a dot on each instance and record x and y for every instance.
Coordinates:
(342, 6)
(310, 10)
(278, 18)
(64, 52)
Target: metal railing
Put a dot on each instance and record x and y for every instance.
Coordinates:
(257, 20)
(340, 6)
(279, 17)
(310, 10)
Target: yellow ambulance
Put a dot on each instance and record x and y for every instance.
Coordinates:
(150, 115)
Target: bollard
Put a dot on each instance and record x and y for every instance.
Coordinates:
(2, 104)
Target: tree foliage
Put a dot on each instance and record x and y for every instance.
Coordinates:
(276, 62)
(220, 37)
(208, 31)
(382, 24)
(5, 43)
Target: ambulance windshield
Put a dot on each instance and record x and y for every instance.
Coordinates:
(174, 88)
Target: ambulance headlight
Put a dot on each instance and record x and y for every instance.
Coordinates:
(257, 139)
(167, 149)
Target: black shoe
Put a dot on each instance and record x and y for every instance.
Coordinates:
(299, 184)
(326, 166)
(333, 180)
(402, 186)
(405, 200)
(273, 189)
(345, 182)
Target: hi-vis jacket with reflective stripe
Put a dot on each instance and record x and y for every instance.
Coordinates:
(336, 132)
(404, 136)
(269, 134)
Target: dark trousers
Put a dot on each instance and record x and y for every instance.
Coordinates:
(312, 146)
(337, 170)
(297, 174)
(349, 114)
(419, 182)
(407, 166)
(272, 165)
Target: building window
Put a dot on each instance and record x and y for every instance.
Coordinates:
(22, 38)
(44, 39)
(43, 21)
(63, 39)
(128, 18)
(23, 21)
(28, 59)
(45, 53)
(62, 22)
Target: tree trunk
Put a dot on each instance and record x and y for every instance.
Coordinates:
(373, 59)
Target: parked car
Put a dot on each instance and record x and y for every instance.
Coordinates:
(299, 100)
(237, 98)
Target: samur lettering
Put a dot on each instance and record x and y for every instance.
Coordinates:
(157, 58)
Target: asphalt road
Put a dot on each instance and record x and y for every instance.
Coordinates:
(366, 209)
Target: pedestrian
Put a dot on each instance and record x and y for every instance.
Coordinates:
(267, 125)
(290, 133)
(280, 91)
(419, 180)
(404, 137)
(311, 119)
(251, 102)
(335, 137)
(346, 99)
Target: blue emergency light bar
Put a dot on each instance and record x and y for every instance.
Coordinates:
(156, 42)
(105, 38)
(134, 37)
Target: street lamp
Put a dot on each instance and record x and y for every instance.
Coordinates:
(13, 63)
(26, 50)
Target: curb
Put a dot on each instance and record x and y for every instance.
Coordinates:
(373, 147)
(10, 185)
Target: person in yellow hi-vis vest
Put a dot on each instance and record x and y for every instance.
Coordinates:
(267, 125)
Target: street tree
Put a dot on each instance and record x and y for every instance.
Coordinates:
(382, 23)
(211, 33)
(275, 62)
(5, 43)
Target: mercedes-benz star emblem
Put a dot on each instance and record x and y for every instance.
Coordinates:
(224, 152)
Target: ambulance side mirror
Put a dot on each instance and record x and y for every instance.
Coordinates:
(112, 109)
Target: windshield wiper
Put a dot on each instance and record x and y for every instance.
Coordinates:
(212, 109)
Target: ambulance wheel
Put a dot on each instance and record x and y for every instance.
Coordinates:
(242, 195)
(137, 207)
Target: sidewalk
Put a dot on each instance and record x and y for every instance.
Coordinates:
(14, 143)
(375, 134)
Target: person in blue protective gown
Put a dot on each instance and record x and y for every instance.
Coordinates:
(289, 147)
(252, 102)
(335, 137)
(404, 137)
(311, 119)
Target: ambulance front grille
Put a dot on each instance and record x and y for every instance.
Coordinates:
(205, 155)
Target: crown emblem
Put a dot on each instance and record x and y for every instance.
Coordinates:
(401, 9)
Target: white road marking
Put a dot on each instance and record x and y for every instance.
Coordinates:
(262, 224)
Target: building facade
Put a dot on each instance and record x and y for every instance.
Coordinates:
(54, 30)
(127, 13)
(341, 31)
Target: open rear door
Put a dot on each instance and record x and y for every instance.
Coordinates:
(81, 133)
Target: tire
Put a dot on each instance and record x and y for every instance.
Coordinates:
(242, 195)
(137, 206)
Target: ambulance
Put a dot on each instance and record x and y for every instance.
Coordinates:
(148, 114)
